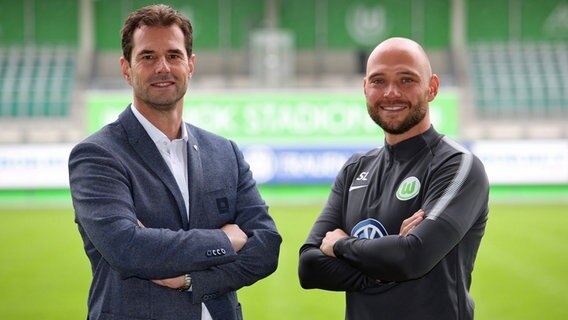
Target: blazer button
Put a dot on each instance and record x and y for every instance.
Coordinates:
(223, 251)
(218, 252)
(209, 253)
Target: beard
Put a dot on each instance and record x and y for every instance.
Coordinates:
(416, 115)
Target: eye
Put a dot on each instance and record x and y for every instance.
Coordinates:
(146, 57)
(175, 56)
(407, 80)
(377, 81)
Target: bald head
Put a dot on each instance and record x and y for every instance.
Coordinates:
(400, 50)
(398, 87)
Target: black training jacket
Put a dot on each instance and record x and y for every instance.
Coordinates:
(425, 275)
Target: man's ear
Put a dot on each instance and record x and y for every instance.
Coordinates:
(125, 69)
(433, 87)
(191, 65)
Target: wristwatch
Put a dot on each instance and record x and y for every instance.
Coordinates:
(187, 283)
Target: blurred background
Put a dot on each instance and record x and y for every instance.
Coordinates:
(284, 80)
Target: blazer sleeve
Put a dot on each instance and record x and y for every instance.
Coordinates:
(105, 212)
(258, 258)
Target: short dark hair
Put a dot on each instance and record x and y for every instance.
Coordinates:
(159, 15)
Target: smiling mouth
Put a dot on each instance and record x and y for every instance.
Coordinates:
(162, 84)
(393, 108)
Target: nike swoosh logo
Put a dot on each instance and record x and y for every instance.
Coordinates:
(356, 187)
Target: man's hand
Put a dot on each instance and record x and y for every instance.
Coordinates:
(330, 239)
(412, 222)
(173, 283)
(237, 237)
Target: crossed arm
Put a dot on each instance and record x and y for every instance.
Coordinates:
(332, 260)
(331, 237)
(237, 238)
(319, 267)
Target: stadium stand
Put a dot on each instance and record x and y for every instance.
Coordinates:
(36, 81)
(511, 74)
(39, 95)
(520, 80)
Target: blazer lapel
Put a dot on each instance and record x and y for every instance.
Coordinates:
(195, 180)
(149, 153)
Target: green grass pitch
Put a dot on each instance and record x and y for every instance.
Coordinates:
(521, 270)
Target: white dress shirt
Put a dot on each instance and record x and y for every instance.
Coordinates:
(174, 153)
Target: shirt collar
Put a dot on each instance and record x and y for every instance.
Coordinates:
(409, 148)
(155, 134)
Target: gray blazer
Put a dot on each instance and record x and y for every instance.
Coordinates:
(118, 176)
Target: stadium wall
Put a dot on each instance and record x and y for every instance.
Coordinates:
(295, 143)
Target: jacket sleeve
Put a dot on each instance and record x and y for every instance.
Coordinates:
(105, 212)
(258, 258)
(316, 270)
(455, 200)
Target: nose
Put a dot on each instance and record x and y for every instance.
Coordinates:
(391, 91)
(162, 65)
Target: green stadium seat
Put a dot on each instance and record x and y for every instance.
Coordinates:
(36, 82)
(520, 80)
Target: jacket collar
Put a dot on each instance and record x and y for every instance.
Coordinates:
(411, 147)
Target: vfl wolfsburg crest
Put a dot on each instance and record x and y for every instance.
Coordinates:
(408, 189)
(366, 23)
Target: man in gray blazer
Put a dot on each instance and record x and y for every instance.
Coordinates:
(170, 215)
